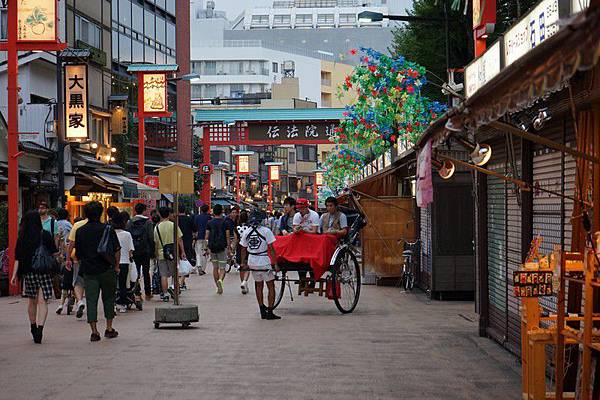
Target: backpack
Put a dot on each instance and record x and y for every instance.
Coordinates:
(217, 240)
(106, 247)
(138, 232)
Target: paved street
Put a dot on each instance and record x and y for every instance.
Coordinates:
(394, 346)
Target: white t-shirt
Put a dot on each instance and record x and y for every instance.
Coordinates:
(307, 221)
(126, 243)
(343, 222)
(257, 242)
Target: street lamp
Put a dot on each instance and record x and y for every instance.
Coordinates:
(272, 178)
(318, 182)
(242, 167)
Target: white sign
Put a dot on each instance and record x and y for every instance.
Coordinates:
(538, 25)
(482, 70)
(155, 93)
(36, 20)
(76, 102)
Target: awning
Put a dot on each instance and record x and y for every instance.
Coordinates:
(131, 189)
(544, 70)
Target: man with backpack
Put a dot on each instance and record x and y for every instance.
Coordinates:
(165, 249)
(219, 238)
(141, 229)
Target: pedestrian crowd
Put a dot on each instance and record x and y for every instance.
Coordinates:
(89, 259)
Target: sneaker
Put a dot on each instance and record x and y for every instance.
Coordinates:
(244, 287)
(220, 286)
(59, 309)
(80, 308)
(164, 297)
(171, 292)
(111, 334)
(122, 309)
(95, 337)
(183, 287)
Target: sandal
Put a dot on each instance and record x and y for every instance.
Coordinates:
(95, 337)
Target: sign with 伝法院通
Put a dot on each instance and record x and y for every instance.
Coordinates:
(286, 132)
(37, 20)
(155, 93)
(76, 101)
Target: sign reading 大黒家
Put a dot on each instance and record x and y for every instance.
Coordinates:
(76, 101)
(291, 132)
(36, 20)
(155, 93)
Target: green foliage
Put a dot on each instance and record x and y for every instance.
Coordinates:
(424, 42)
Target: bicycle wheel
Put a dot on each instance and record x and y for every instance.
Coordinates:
(346, 275)
(280, 282)
(408, 281)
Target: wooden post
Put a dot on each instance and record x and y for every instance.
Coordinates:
(177, 180)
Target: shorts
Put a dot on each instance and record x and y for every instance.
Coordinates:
(219, 260)
(166, 268)
(33, 282)
(77, 279)
(263, 276)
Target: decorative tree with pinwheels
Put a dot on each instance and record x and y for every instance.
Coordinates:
(389, 111)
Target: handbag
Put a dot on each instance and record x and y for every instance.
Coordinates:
(43, 262)
(167, 249)
(106, 247)
(133, 273)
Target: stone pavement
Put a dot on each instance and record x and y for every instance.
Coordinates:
(394, 346)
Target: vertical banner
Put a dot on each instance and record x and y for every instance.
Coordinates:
(424, 181)
(37, 20)
(76, 102)
(319, 178)
(155, 93)
(274, 173)
(243, 164)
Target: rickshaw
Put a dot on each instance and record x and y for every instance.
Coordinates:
(337, 277)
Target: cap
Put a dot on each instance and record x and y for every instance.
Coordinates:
(302, 203)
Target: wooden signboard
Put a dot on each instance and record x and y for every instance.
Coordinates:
(391, 221)
(291, 131)
(532, 283)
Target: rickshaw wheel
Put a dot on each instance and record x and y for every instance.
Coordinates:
(280, 281)
(346, 274)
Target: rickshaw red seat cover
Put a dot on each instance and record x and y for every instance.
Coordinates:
(301, 247)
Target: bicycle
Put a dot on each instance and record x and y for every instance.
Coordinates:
(407, 279)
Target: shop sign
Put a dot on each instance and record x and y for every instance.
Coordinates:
(119, 121)
(243, 164)
(76, 101)
(130, 190)
(319, 178)
(538, 25)
(291, 132)
(37, 21)
(155, 93)
(483, 69)
(532, 283)
(151, 180)
(274, 173)
(206, 169)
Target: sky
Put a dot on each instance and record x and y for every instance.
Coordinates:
(235, 7)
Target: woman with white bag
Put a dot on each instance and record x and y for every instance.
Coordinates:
(127, 247)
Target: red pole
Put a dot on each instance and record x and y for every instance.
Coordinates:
(316, 190)
(141, 129)
(13, 140)
(270, 191)
(206, 159)
(237, 185)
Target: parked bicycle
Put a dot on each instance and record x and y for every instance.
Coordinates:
(407, 279)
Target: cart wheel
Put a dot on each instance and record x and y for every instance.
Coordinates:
(185, 324)
(280, 282)
(346, 281)
(156, 325)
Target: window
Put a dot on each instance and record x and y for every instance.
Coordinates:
(3, 23)
(304, 19)
(291, 157)
(260, 20)
(99, 132)
(125, 12)
(216, 156)
(149, 23)
(209, 91)
(161, 4)
(161, 30)
(115, 45)
(280, 20)
(325, 19)
(138, 52)
(307, 153)
(161, 58)
(171, 6)
(171, 35)
(209, 68)
(149, 54)
(88, 32)
(275, 68)
(237, 90)
(235, 68)
(137, 18)
(115, 10)
(347, 18)
(124, 48)
(196, 91)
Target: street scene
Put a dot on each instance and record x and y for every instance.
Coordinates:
(380, 199)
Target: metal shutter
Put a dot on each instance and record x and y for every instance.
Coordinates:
(496, 216)
(425, 265)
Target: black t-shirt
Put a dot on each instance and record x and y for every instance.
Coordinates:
(230, 226)
(26, 248)
(186, 224)
(87, 239)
